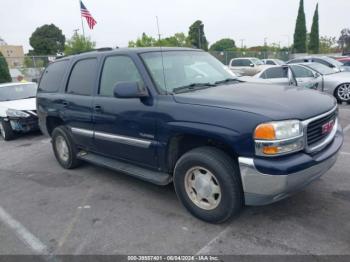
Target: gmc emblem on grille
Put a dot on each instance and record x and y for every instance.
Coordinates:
(327, 127)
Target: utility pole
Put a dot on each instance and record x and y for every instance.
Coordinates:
(242, 43)
(76, 31)
(265, 44)
(199, 37)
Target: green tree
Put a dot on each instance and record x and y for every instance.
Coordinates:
(4, 70)
(314, 42)
(197, 37)
(328, 44)
(78, 44)
(177, 40)
(225, 44)
(47, 40)
(344, 40)
(143, 41)
(300, 30)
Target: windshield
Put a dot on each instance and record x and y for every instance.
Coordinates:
(173, 69)
(257, 61)
(332, 61)
(322, 69)
(15, 92)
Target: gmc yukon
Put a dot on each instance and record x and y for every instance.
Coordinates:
(177, 115)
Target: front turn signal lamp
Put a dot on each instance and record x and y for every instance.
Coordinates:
(278, 138)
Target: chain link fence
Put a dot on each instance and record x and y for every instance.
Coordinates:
(226, 56)
(28, 68)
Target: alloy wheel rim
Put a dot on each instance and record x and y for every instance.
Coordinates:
(344, 92)
(203, 188)
(62, 148)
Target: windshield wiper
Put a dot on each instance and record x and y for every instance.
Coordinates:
(227, 80)
(192, 87)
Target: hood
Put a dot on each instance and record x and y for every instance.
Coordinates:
(273, 101)
(343, 76)
(21, 104)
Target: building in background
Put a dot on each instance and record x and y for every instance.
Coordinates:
(13, 54)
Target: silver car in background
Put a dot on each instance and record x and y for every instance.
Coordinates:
(325, 60)
(246, 66)
(313, 75)
(271, 61)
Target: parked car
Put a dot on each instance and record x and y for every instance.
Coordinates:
(247, 66)
(329, 81)
(325, 60)
(273, 62)
(17, 109)
(284, 75)
(344, 60)
(223, 143)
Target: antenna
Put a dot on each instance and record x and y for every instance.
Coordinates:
(161, 53)
(158, 28)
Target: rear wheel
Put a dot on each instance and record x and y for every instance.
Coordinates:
(342, 93)
(6, 130)
(64, 148)
(207, 183)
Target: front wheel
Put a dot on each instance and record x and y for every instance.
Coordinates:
(207, 183)
(342, 93)
(6, 130)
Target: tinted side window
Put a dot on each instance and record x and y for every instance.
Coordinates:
(301, 72)
(246, 62)
(82, 78)
(277, 72)
(52, 76)
(237, 62)
(270, 62)
(118, 69)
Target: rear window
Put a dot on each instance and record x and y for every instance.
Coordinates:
(277, 72)
(52, 77)
(82, 78)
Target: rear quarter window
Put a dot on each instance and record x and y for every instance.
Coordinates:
(53, 75)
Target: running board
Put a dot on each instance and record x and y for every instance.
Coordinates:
(154, 177)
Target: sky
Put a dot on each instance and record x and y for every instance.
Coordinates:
(119, 21)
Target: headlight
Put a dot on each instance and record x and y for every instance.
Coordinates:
(278, 138)
(16, 113)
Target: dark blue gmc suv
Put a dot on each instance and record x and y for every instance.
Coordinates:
(178, 115)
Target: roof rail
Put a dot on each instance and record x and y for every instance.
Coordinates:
(104, 49)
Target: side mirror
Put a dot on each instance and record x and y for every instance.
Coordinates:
(129, 90)
(317, 75)
(252, 65)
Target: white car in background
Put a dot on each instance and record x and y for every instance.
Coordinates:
(247, 66)
(17, 109)
(271, 61)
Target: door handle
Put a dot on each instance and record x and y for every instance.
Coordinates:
(65, 104)
(98, 108)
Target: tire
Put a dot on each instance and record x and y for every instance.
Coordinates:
(204, 163)
(64, 148)
(6, 130)
(342, 93)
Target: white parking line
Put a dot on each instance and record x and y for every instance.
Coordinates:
(206, 249)
(28, 238)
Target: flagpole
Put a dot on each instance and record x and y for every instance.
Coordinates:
(82, 22)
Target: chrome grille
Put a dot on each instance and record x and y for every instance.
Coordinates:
(315, 128)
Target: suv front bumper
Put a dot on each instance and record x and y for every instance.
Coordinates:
(287, 175)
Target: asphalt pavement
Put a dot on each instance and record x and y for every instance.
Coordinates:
(45, 209)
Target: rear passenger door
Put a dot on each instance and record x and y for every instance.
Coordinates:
(124, 128)
(77, 102)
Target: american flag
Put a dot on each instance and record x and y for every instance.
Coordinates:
(85, 13)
